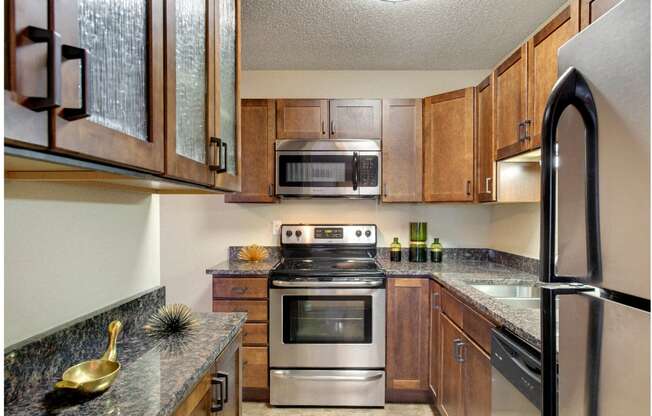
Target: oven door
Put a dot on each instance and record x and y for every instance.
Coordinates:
(328, 173)
(327, 328)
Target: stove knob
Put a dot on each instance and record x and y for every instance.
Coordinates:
(358, 233)
(298, 233)
(289, 233)
(367, 233)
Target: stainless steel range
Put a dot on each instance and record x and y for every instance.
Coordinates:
(327, 318)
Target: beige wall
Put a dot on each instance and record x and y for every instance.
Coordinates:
(197, 230)
(514, 228)
(355, 84)
(70, 250)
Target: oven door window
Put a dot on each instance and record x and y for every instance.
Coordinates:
(327, 319)
(316, 170)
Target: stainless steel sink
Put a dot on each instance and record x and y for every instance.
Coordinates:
(518, 296)
(509, 291)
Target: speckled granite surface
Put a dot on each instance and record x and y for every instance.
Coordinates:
(48, 355)
(154, 379)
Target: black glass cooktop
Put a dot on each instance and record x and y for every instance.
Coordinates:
(328, 267)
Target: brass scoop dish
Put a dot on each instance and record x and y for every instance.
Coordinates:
(94, 376)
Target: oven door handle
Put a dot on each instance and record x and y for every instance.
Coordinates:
(356, 170)
(284, 374)
(325, 284)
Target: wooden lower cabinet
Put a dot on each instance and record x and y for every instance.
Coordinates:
(450, 400)
(248, 294)
(435, 340)
(228, 369)
(408, 326)
(476, 387)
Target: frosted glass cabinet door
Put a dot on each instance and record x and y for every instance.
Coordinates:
(112, 81)
(189, 44)
(227, 110)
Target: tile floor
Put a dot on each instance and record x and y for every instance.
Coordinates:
(263, 409)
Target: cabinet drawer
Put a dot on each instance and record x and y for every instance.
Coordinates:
(240, 287)
(478, 328)
(256, 309)
(255, 334)
(452, 307)
(254, 367)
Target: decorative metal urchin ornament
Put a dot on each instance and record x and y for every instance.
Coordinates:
(169, 320)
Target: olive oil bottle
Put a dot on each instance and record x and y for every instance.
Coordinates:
(436, 251)
(395, 250)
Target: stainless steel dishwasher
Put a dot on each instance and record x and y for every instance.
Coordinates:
(515, 376)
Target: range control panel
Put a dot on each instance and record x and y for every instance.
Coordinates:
(328, 234)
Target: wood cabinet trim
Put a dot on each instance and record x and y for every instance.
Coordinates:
(446, 96)
(485, 83)
(511, 60)
(551, 26)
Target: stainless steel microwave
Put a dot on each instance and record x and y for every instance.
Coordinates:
(328, 168)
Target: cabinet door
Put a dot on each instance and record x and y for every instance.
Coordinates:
(190, 93)
(451, 403)
(510, 106)
(258, 135)
(435, 340)
(476, 380)
(542, 69)
(112, 102)
(302, 119)
(227, 146)
(402, 150)
(355, 119)
(448, 147)
(590, 10)
(408, 322)
(29, 83)
(486, 151)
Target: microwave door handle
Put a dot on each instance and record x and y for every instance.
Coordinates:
(356, 170)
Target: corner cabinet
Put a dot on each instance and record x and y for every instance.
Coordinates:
(448, 150)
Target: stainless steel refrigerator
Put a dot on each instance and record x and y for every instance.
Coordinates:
(595, 221)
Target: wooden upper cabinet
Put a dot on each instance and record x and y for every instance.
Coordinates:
(451, 397)
(227, 144)
(542, 69)
(510, 104)
(408, 324)
(448, 147)
(27, 95)
(355, 119)
(590, 10)
(477, 380)
(302, 119)
(486, 144)
(258, 135)
(435, 340)
(190, 92)
(402, 150)
(112, 82)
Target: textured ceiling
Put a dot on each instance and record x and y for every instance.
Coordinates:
(375, 34)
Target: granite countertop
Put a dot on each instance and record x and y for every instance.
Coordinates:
(154, 379)
(244, 268)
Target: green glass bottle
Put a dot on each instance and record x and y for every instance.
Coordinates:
(436, 251)
(395, 250)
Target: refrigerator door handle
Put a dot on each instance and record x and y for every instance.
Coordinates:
(571, 89)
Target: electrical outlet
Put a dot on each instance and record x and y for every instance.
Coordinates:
(276, 227)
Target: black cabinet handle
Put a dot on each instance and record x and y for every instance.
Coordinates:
(225, 376)
(220, 167)
(521, 132)
(356, 170)
(73, 52)
(53, 97)
(468, 187)
(218, 404)
(526, 127)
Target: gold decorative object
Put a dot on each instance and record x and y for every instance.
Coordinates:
(176, 319)
(94, 376)
(253, 253)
